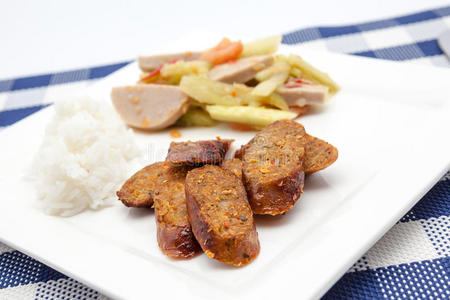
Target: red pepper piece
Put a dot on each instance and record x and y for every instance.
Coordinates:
(226, 224)
(156, 71)
(301, 81)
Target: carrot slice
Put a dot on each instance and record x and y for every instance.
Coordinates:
(224, 52)
(225, 42)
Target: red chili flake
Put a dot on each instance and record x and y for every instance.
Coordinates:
(226, 224)
(152, 74)
(301, 81)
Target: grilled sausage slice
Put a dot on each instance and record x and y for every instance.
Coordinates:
(138, 190)
(272, 167)
(234, 165)
(318, 155)
(221, 218)
(197, 153)
(174, 233)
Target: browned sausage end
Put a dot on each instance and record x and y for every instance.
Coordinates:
(138, 190)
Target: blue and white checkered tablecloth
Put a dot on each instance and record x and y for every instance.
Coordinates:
(410, 262)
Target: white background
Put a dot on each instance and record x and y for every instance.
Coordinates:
(45, 36)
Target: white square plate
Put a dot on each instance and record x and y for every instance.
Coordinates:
(390, 123)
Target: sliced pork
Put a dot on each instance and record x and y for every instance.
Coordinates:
(241, 70)
(150, 63)
(304, 94)
(149, 106)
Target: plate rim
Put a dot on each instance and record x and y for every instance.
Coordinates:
(438, 171)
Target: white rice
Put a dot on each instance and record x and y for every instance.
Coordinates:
(84, 158)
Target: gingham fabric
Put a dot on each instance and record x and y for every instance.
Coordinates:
(410, 262)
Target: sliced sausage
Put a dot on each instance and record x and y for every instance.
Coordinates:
(240, 71)
(234, 165)
(318, 154)
(150, 63)
(149, 106)
(238, 153)
(197, 153)
(272, 167)
(174, 233)
(138, 190)
(221, 217)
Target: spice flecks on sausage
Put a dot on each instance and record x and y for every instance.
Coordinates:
(234, 165)
(272, 167)
(221, 218)
(198, 153)
(174, 233)
(318, 154)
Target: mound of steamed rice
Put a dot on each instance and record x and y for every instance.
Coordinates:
(84, 158)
